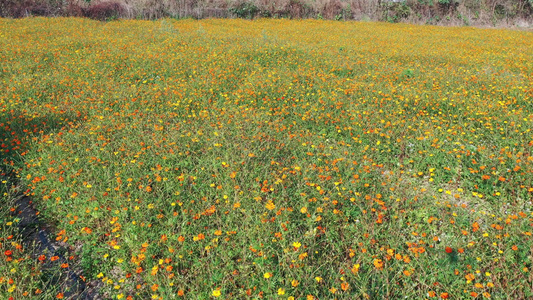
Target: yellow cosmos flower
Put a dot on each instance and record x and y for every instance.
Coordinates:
(270, 205)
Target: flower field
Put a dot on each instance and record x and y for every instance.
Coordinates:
(272, 159)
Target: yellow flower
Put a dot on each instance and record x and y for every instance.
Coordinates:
(281, 291)
(296, 245)
(216, 293)
(318, 279)
(270, 205)
(267, 275)
(355, 268)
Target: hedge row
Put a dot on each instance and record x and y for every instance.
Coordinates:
(452, 12)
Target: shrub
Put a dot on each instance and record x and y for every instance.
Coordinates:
(395, 11)
(104, 11)
(448, 6)
(73, 9)
(331, 9)
(296, 9)
(20, 9)
(245, 10)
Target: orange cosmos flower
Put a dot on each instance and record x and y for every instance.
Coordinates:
(345, 286)
(378, 263)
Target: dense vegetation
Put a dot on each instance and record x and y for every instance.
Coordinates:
(268, 158)
(443, 12)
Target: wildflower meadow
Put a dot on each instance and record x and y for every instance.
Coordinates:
(273, 159)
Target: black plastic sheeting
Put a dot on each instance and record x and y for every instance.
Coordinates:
(35, 236)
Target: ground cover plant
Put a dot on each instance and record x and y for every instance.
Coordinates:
(269, 159)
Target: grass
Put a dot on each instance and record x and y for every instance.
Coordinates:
(269, 158)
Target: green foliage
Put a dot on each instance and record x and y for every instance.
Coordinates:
(396, 11)
(463, 18)
(408, 73)
(245, 10)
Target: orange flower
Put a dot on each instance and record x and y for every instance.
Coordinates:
(448, 250)
(345, 286)
(378, 263)
(406, 259)
(295, 283)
